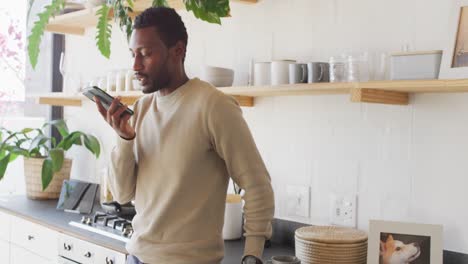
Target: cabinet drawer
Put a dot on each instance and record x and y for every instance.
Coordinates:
(36, 238)
(20, 255)
(88, 253)
(75, 249)
(108, 256)
(5, 251)
(4, 226)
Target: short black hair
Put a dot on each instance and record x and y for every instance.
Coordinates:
(167, 22)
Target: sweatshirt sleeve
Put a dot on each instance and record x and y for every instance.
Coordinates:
(122, 169)
(232, 140)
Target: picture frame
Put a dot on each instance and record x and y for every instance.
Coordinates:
(454, 64)
(406, 242)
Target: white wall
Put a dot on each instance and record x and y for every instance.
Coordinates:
(404, 162)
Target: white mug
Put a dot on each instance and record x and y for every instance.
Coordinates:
(261, 73)
(280, 72)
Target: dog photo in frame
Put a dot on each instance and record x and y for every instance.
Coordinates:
(403, 243)
(454, 63)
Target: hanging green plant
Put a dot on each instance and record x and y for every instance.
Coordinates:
(34, 39)
(208, 10)
(104, 31)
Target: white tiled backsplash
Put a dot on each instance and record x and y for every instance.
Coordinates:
(404, 163)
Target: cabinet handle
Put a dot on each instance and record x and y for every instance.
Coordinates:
(30, 237)
(66, 247)
(88, 254)
(109, 261)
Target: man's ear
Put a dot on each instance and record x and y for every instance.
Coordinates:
(179, 49)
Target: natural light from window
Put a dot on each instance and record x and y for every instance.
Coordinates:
(12, 50)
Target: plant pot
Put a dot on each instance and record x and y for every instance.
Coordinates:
(32, 174)
(232, 228)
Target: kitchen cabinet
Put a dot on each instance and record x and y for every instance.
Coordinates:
(383, 92)
(87, 253)
(4, 251)
(76, 23)
(20, 255)
(24, 241)
(35, 238)
(4, 227)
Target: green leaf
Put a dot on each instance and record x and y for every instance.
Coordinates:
(57, 157)
(34, 39)
(47, 173)
(208, 10)
(37, 142)
(17, 151)
(26, 130)
(60, 125)
(3, 165)
(104, 30)
(130, 3)
(70, 140)
(92, 144)
(159, 3)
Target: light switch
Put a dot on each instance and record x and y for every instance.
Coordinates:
(298, 201)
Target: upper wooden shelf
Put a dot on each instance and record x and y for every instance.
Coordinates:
(76, 23)
(383, 92)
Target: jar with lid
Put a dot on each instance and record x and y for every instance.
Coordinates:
(337, 69)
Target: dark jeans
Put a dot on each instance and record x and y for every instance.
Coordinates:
(133, 260)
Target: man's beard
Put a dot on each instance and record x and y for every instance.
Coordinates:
(157, 84)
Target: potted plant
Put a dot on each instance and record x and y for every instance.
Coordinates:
(45, 165)
(207, 10)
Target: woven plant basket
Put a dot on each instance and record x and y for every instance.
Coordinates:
(32, 174)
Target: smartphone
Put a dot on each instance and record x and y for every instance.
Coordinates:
(105, 98)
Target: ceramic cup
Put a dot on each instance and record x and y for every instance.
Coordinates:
(261, 73)
(284, 260)
(297, 73)
(280, 72)
(318, 72)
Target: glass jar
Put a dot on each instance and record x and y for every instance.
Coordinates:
(337, 69)
(353, 69)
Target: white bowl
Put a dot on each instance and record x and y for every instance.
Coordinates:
(217, 76)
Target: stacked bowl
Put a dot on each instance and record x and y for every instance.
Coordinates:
(217, 76)
(331, 245)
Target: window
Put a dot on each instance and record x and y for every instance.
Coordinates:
(12, 51)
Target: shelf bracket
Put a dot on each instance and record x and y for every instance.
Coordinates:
(365, 95)
(244, 100)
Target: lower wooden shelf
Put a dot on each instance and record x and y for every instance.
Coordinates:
(383, 92)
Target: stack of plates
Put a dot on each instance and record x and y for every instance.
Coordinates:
(331, 245)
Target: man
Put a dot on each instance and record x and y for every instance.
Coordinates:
(177, 152)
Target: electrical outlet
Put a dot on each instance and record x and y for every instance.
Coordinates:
(343, 210)
(298, 200)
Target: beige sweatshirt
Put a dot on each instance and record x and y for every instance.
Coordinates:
(187, 145)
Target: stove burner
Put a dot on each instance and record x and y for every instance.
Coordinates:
(107, 224)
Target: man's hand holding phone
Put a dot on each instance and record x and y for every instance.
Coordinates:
(116, 119)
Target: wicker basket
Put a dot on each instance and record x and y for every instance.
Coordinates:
(330, 244)
(32, 174)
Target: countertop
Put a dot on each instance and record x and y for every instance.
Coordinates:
(45, 213)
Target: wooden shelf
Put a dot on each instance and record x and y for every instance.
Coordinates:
(76, 23)
(383, 92)
(64, 99)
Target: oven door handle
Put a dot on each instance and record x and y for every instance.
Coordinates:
(64, 260)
